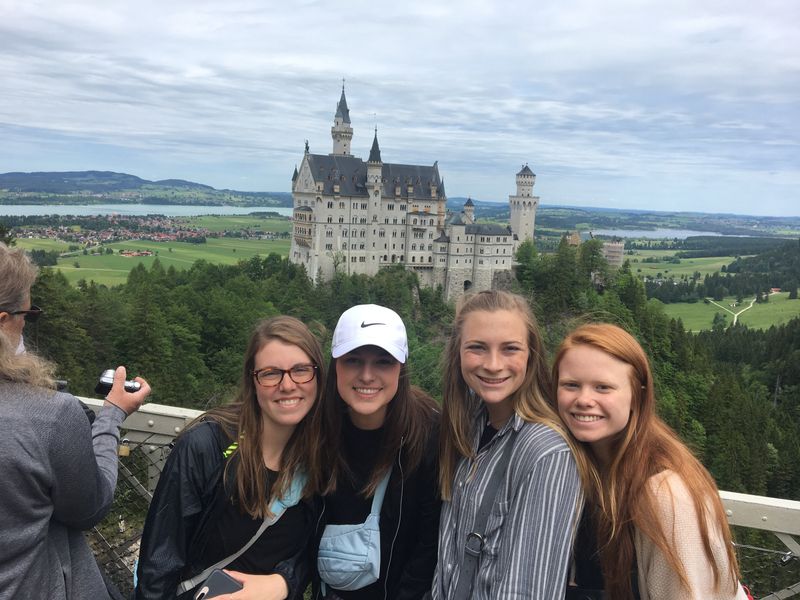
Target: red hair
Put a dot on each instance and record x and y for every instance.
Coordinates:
(618, 492)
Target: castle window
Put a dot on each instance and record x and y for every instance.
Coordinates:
(330, 204)
(328, 246)
(430, 259)
(341, 204)
(390, 206)
(413, 259)
(362, 259)
(363, 206)
(330, 219)
(403, 207)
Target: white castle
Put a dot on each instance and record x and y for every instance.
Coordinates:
(353, 216)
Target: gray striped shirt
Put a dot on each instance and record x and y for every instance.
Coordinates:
(531, 527)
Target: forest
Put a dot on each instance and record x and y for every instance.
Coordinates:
(732, 393)
(755, 275)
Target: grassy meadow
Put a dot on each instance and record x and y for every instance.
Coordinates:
(699, 315)
(112, 269)
(688, 266)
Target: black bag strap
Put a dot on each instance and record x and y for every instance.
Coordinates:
(474, 544)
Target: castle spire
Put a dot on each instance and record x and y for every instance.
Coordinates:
(341, 132)
(342, 112)
(375, 152)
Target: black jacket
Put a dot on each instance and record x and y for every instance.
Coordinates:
(189, 495)
(411, 546)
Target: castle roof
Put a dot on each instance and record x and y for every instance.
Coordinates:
(295, 174)
(350, 173)
(375, 152)
(526, 170)
(442, 238)
(469, 202)
(488, 229)
(341, 108)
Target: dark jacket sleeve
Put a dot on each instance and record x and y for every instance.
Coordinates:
(417, 575)
(185, 488)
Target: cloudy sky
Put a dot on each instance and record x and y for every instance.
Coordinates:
(681, 105)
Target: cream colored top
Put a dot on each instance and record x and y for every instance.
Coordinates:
(657, 580)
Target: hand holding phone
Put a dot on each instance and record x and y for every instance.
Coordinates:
(217, 584)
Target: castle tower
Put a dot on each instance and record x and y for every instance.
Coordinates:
(469, 211)
(523, 205)
(342, 132)
(374, 169)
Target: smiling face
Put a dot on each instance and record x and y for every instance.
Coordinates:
(494, 358)
(367, 379)
(287, 403)
(594, 396)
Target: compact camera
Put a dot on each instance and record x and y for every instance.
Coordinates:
(107, 380)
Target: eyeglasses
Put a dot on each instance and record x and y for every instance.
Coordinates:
(31, 315)
(270, 377)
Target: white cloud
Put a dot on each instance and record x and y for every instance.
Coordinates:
(679, 94)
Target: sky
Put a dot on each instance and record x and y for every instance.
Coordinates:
(687, 105)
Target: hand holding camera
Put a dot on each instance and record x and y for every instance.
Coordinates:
(125, 395)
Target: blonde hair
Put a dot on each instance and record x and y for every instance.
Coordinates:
(530, 401)
(619, 494)
(17, 275)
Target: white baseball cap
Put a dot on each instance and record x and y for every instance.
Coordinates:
(370, 325)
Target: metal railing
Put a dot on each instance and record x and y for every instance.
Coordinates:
(766, 529)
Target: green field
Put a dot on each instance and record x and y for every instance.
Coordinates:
(112, 269)
(687, 266)
(238, 222)
(700, 315)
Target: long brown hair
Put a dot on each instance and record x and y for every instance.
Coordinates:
(242, 422)
(409, 417)
(620, 494)
(530, 401)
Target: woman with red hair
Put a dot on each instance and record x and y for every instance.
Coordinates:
(653, 526)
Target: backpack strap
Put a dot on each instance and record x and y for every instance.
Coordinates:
(277, 508)
(475, 539)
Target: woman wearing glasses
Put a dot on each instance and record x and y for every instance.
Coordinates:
(234, 492)
(380, 437)
(59, 472)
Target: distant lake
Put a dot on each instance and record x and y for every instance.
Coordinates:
(681, 234)
(169, 210)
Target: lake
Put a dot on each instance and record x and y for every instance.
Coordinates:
(169, 210)
(681, 234)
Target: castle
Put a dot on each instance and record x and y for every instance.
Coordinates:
(353, 216)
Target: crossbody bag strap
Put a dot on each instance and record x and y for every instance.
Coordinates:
(380, 492)
(474, 544)
(277, 509)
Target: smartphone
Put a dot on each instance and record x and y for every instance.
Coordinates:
(218, 583)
